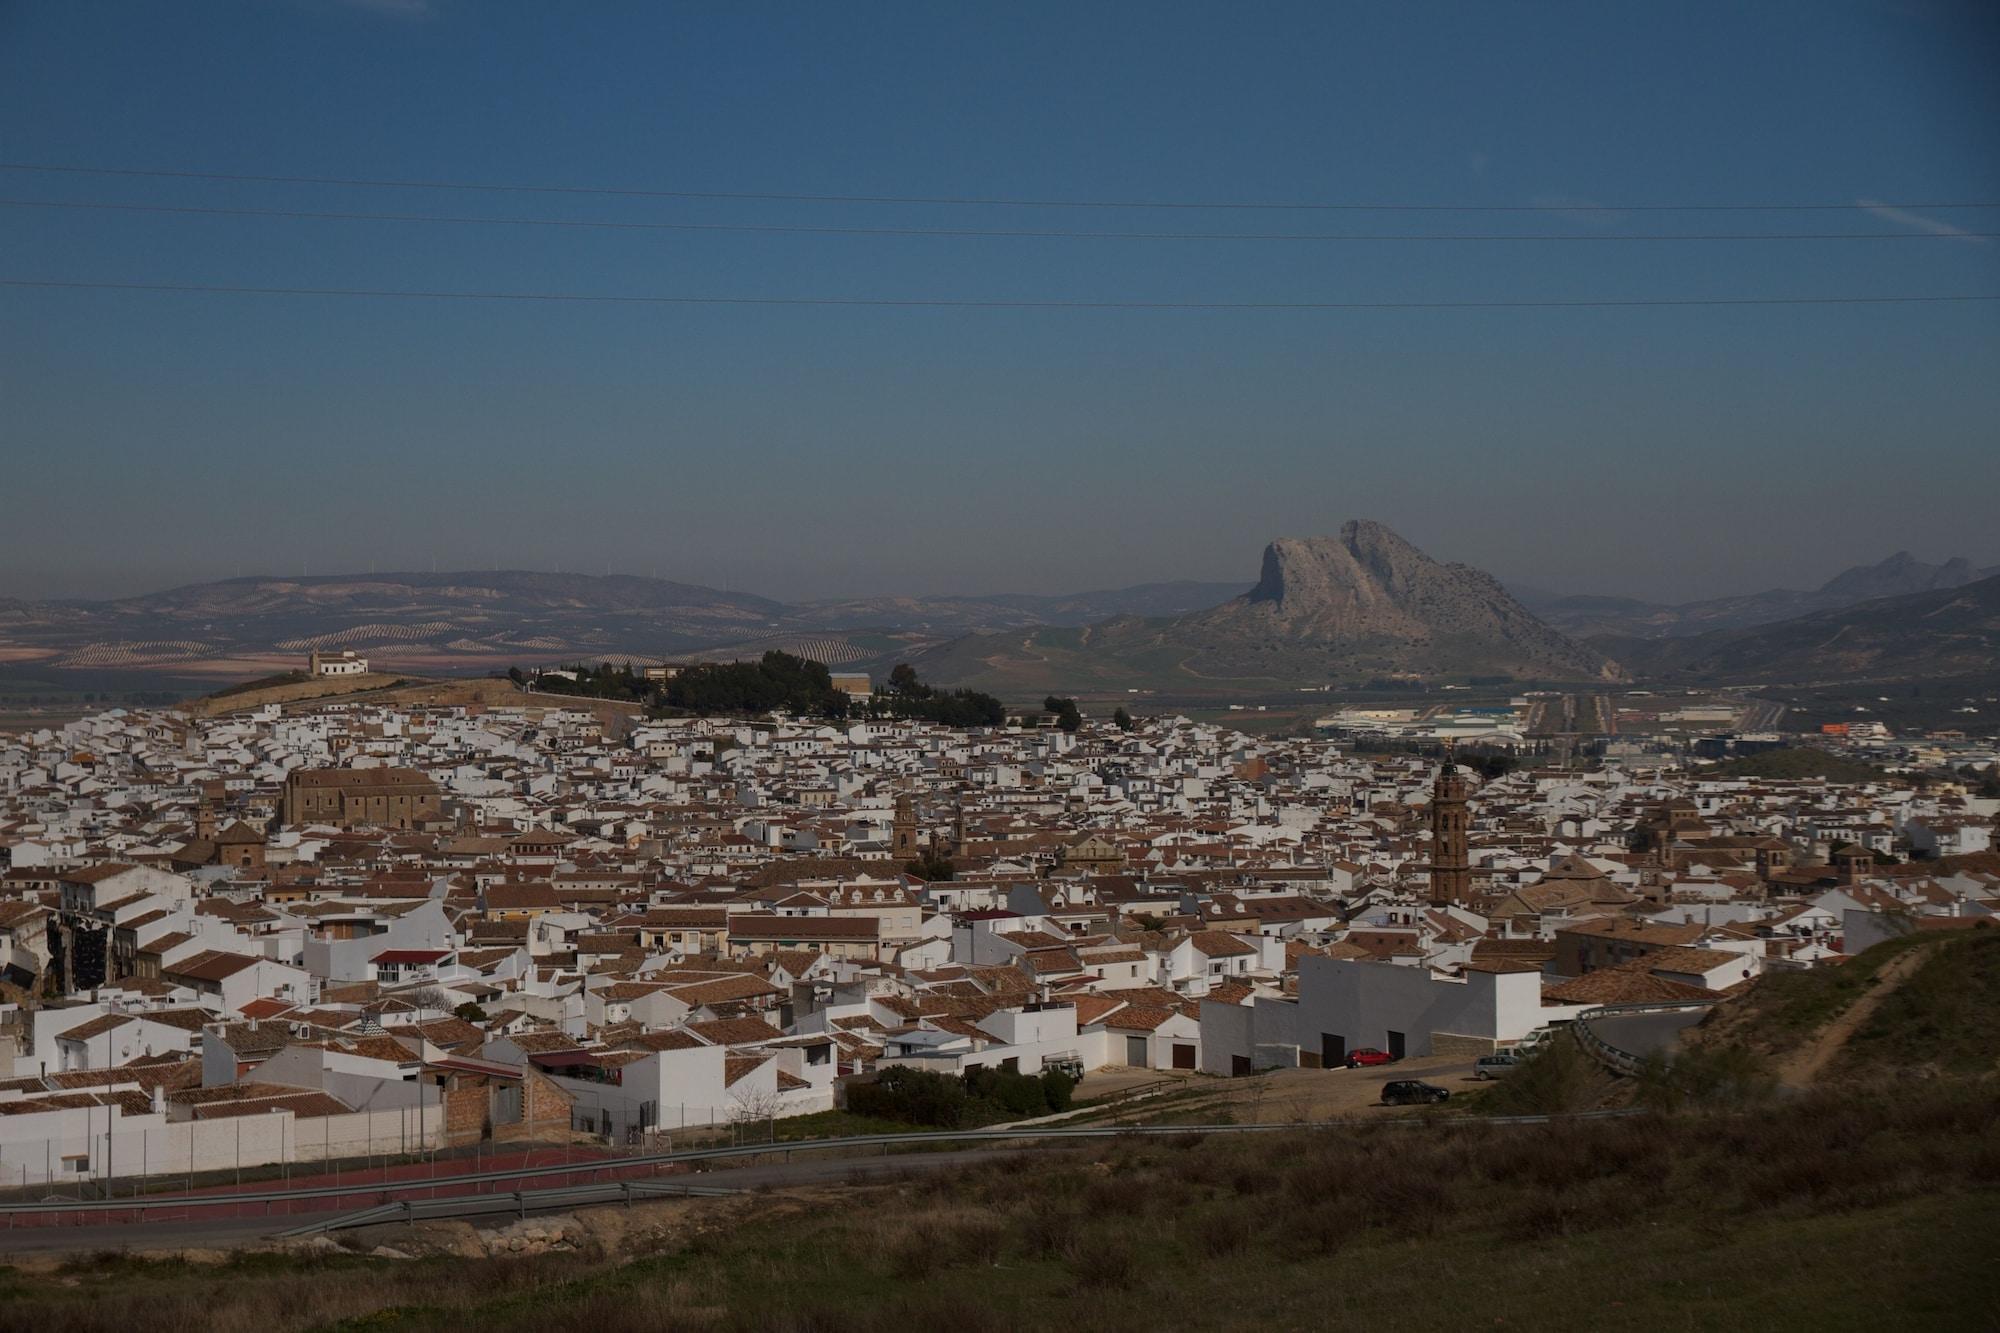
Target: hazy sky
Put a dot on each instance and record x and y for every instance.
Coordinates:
(151, 438)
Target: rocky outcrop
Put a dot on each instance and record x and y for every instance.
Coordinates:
(1367, 601)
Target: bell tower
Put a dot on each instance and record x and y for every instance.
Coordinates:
(1451, 827)
(903, 832)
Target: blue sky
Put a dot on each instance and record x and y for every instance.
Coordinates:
(154, 438)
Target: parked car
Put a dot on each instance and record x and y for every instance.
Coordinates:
(1411, 1092)
(1497, 1065)
(1368, 1055)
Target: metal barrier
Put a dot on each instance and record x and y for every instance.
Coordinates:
(520, 1203)
(74, 1212)
(1618, 1060)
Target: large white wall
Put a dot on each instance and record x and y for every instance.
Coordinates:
(33, 1146)
(1363, 1002)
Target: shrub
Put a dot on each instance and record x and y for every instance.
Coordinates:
(1101, 1260)
(1017, 1094)
(914, 1096)
(1710, 1076)
(1557, 1079)
(1050, 1232)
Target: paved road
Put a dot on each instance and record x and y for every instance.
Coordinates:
(227, 1232)
(1646, 1034)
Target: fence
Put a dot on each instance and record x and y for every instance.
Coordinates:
(102, 1153)
(511, 1182)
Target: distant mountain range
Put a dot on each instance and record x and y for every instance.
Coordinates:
(1944, 631)
(476, 620)
(1900, 574)
(1016, 610)
(1361, 605)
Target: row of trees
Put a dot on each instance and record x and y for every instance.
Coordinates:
(776, 681)
(797, 685)
(603, 681)
(907, 696)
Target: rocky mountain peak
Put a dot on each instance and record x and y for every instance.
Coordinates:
(1371, 599)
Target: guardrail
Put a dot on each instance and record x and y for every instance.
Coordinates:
(520, 1203)
(72, 1212)
(1617, 1059)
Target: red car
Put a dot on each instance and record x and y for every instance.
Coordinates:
(1368, 1055)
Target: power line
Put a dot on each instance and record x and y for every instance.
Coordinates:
(979, 304)
(980, 201)
(1029, 233)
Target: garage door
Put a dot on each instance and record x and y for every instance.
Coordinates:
(1183, 1055)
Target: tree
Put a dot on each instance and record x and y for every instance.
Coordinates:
(933, 865)
(1067, 716)
(426, 997)
(906, 696)
(1122, 719)
(470, 1012)
(1557, 1079)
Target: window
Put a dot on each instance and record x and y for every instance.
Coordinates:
(76, 1166)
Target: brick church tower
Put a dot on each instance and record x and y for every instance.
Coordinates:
(903, 832)
(1451, 826)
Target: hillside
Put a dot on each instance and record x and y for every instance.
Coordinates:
(487, 620)
(1686, 1222)
(1349, 608)
(1944, 1017)
(1940, 633)
(1899, 575)
(438, 622)
(1928, 1002)
(961, 615)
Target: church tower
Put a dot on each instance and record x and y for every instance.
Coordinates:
(903, 833)
(1451, 826)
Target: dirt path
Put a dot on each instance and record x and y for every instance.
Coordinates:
(1805, 1065)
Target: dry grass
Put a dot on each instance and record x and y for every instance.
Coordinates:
(1812, 1212)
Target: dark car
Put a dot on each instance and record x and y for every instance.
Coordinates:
(1410, 1092)
(1368, 1055)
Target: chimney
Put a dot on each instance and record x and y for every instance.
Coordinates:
(159, 1099)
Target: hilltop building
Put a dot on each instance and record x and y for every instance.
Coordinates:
(347, 664)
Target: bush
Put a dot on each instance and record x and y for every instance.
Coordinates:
(914, 1096)
(1104, 1260)
(1556, 1080)
(1714, 1076)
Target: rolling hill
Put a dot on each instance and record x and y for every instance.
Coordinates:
(479, 621)
(1900, 574)
(1945, 632)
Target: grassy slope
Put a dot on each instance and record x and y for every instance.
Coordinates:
(1945, 1017)
(1846, 1210)
(1784, 1009)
